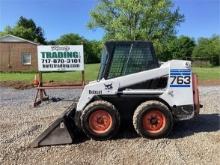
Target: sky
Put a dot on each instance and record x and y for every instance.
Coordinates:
(58, 17)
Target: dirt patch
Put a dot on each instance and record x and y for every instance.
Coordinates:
(209, 82)
(28, 85)
(16, 84)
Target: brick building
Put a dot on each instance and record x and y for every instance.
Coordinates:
(17, 54)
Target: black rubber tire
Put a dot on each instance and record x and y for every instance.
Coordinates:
(148, 106)
(96, 105)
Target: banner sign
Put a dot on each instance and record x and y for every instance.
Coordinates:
(60, 58)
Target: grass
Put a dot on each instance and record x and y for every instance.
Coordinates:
(91, 72)
(212, 73)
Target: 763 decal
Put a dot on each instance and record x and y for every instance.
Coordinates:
(180, 77)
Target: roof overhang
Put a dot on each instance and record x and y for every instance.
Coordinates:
(14, 39)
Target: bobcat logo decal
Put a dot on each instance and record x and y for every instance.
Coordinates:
(108, 86)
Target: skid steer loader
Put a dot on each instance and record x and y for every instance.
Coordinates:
(131, 86)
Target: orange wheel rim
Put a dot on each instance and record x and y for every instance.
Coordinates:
(154, 121)
(100, 121)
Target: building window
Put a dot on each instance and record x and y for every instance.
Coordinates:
(26, 58)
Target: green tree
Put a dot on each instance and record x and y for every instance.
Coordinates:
(70, 39)
(153, 20)
(6, 31)
(51, 42)
(177, 48)
(92, 49)
(208, 48)
(26, 28)
(164, 51)
(182, 47)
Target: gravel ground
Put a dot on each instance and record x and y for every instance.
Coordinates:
(191, 142)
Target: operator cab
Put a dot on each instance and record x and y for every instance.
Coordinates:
(121, 58)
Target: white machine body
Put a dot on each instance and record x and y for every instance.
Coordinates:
(178, 92)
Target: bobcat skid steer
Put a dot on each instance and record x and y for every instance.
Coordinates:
(131, 85)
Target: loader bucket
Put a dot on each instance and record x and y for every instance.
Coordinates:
(61, 131)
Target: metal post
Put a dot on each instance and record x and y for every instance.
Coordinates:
(83, 73)
(40, 85)
(83, 77)
(40, 78)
